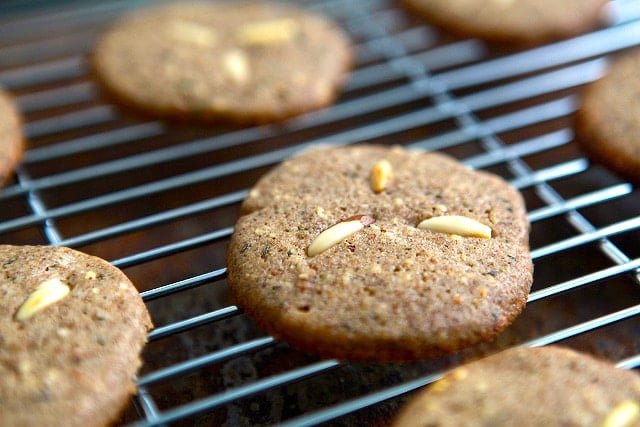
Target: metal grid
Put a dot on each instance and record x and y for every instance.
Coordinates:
(159, 201)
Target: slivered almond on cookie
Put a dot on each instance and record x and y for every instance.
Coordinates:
(456, 224)
(48, 292)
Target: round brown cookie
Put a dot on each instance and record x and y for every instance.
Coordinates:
(513, 21)
(607, 123)
(11, 137)
(244, 62)
(389, 290)
(547, 386)
(71, 362)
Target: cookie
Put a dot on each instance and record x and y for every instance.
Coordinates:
(333, 254)
(248, 62)
(607, 125)
(547, 386)
(72, 327)
(11, 136)
(512, 21)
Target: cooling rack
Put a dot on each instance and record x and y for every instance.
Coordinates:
(159, 200)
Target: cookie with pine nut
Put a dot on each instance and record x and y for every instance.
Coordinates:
(546, 386)
(248, 62)
(513, 21)
(379, 253)
(11, 135)
(72, 328)
(607, 124)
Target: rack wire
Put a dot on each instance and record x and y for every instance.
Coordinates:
(159, 200)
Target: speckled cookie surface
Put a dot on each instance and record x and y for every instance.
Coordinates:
(519, 21)
(548, 386)
(72, 362)
(11, 138)
(390, 291)
(607, 122)
(244, 62)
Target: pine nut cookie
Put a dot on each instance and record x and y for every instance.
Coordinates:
(547, 386)
(11, 136)
(513, 21)
(72, 327)
(243, 62)
(607, 125)
(377, 253)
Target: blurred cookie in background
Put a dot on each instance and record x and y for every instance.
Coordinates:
(512, 21)
(11, 136)
(249, 62)
(607, 125)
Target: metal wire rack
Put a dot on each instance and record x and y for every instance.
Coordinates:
(159, 200)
